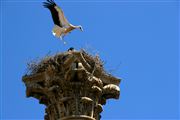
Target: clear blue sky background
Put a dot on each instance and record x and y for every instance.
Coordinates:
(138, 40)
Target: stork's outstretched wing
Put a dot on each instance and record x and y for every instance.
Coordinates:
(63, 19)
(57, 13)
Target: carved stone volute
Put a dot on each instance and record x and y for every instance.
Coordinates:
(72, 85)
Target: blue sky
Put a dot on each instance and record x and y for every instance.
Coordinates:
(138, 40)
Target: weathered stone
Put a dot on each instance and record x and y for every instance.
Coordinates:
(73, 86)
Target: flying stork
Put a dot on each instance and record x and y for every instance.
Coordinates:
(62, 27)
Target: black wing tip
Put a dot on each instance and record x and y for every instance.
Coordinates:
(51, 2)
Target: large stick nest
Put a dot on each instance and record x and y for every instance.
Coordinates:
(56, 63)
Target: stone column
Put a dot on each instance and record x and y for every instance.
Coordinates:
(73, 85)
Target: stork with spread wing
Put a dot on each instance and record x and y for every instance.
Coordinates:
(62, 26)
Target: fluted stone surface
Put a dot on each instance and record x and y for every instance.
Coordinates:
(73, 85)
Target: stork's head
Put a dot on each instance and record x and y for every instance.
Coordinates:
(80, 27)
(71, 49)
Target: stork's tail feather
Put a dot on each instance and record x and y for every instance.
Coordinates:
(57, 31)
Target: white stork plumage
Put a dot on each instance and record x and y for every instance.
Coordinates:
(62, 27)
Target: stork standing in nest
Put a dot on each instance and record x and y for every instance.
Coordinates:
(62, 27)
